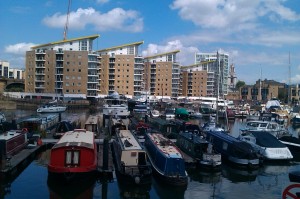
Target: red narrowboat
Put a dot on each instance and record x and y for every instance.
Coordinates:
(74, 155)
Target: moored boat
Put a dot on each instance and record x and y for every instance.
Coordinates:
(166, 160)
(39, 124)
(199, 149)
(267, 145)
(234, 150)
(12, 142)
(51, 107)
(71, 123)
(268, 126)
(130, 158)
(73, 156)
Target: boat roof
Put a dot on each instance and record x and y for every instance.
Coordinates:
(195, 138)
(224, 136)
(78, 137)
(265, 139)
(128, 140)
(9, 134)
(92, 119)
(165, 145)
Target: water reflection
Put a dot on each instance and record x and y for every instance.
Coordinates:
(168, 191)
(134, 191)
(238, 174)
(74, 190)
(196, 174)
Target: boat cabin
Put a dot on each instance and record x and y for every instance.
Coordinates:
(93, 124)
(75, 152)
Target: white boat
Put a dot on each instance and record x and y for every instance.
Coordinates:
(154, 113)
(116, 106)
(170, 113)
(268, 126)
(51, 108)
(132, 165)
(267, 145)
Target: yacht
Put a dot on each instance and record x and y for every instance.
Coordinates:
(267, 145)
(268, 126)
(51, 108)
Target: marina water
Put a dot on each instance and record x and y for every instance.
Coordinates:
(269, 181)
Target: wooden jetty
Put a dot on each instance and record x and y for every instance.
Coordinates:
(20, 160)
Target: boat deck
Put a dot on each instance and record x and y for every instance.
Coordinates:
(100, 154)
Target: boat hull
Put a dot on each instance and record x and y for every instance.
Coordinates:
(52, 109)
(167, 165)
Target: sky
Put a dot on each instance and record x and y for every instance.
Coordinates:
(262, 37)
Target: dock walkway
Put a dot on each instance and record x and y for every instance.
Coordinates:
(19, 159)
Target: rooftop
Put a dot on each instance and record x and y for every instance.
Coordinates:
(65, 41)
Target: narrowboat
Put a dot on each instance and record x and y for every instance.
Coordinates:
(93, 124)
(12, 142)
(166, 160)
(238, 152)
(200, 150)
(167, 127)
(38, 124)
(73, 156)
(131, 161)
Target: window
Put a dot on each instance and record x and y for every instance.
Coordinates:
(79, 70)
(72, 158)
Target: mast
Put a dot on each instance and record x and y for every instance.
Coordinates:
(289, 87)
(218, 86)
(67, 21)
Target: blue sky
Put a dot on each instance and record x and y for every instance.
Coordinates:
(258, 35)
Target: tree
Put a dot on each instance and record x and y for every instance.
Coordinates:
(240, 84)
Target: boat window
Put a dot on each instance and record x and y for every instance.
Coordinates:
(72, 158)
(225, 146)
(133, 154)
(69, 157)
(76, 157)
(142, 158)
(263, 125)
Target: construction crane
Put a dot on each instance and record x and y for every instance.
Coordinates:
(67, 21)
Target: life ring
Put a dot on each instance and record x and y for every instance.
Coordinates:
(39, 142)
(24, 130)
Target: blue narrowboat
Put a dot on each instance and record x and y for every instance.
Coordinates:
(234, 150)
(166, 160)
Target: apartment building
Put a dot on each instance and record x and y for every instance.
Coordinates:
(217, 72)
(264, 90)
(162, 74)
(16, 73)
(4, 69)
(121, 70)
(193, 81)
(68, 68)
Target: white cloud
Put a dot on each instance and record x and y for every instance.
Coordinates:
(19, 48)
(232, 14)
(185, 56)
(116, 19)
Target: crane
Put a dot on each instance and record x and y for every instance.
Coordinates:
(67, 21)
